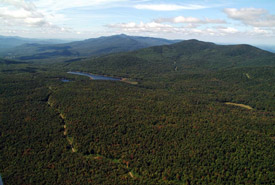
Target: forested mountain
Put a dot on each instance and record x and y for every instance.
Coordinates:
(189, 55)
(89, 47)
(187, 113)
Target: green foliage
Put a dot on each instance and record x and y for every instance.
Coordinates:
(185, 57)
(173, 127)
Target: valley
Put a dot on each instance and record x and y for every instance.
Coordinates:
(191, 112)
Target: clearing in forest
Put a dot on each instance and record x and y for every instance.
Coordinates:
(239, 105)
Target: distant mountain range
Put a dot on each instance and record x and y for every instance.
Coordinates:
(90, 47)
(269, 48)
(7, 42)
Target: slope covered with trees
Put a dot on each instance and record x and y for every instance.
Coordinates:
(186, 56)
(178, 125)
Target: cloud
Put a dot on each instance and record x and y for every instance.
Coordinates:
(142, 27)
(46, 18)
(22, 17)
(159, 28)
(182, 19)
(262, 32)
(168, 7)
(251, 16)
(57, 5)
(228, 30)
(20, 13)
(28, 6)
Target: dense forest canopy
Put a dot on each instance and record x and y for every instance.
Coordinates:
(200, 113)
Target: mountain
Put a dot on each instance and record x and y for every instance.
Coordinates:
(189, 55)
(86, 48)
(7, 42)
(187, 113)
(115, 44)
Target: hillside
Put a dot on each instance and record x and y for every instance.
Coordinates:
(86, 48)
(190, 55)
(200, 113)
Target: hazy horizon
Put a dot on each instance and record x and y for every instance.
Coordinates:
(219, 21)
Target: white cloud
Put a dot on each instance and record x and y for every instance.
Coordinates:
(56, 5)
(28, 6)
(155, 27)
(23, 14)
(46, 16)
(168, 7)
(252, 16)
(262, 32)
(228, 30)
(182, 19)
(17, 14)
(142, 27)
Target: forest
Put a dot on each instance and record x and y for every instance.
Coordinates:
(181, 123)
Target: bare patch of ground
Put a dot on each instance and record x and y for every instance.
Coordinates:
(247, 75)
(126, 80)
(131, 175)
(239, 105)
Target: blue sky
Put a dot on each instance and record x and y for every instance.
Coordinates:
(222, 21)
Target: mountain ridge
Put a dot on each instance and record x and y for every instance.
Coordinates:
(189, 55)
(86, 48)
(8, 42)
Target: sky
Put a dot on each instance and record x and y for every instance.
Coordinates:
(220, 21)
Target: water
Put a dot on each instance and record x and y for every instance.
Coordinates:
(95, 77)
(1, 182)
(65, 80)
